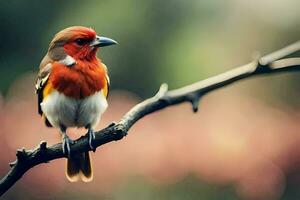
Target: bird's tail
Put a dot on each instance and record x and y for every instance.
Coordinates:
(79, 167)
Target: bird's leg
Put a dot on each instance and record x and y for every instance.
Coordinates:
(91, 136)
(66, 141)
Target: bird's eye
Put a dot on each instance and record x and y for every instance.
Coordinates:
(80, 41)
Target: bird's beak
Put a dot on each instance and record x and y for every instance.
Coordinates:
(102, 42)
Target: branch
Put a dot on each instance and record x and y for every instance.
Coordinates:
(272, 63)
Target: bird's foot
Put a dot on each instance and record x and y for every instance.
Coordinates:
(91, 136)
(66, 142)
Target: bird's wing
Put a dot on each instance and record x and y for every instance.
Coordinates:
(107, 85)
(44, 73)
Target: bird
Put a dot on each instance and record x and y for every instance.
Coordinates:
(72, 87)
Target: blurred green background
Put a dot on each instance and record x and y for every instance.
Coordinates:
(174, 41)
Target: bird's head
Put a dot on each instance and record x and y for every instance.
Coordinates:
(78, 42)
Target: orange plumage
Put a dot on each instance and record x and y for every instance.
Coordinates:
(82, 80)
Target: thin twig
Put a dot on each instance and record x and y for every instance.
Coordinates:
(272, 63)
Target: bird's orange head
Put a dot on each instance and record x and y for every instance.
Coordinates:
(71, 58)
(79, 42)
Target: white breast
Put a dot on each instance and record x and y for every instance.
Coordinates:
(62, 110)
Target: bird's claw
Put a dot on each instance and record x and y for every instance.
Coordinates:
(91, 136)
(66, 145)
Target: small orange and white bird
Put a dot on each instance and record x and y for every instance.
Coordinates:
(72, 87)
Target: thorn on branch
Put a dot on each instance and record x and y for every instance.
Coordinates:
(111, 124)
(194, 99)
(43, 146)
(163, 89)
(161, 94)
(21, 154)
